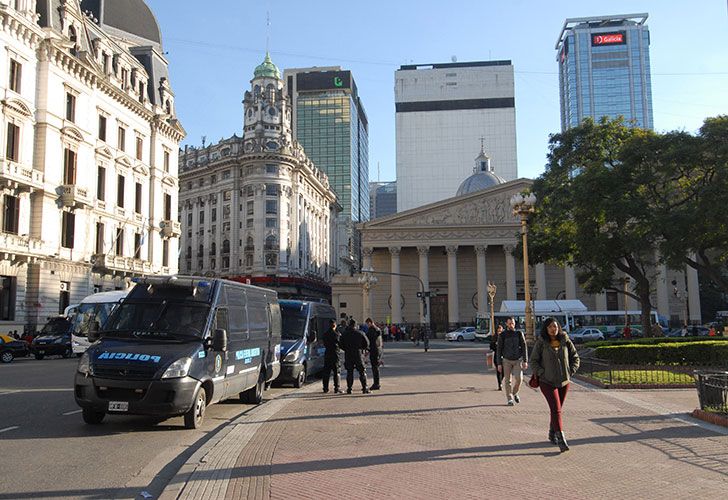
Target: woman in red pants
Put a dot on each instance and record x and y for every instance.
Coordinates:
(554, 360)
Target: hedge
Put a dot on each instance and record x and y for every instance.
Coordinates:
(702, 353)
(650, 341)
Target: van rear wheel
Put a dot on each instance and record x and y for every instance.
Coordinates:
(196, 415)
(254, 395)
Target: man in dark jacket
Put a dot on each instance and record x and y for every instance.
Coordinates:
(374, 336)
(331, 339)
(353, 342)
(512, 358)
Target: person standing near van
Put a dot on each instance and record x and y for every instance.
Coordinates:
(353, 342)
(331, 340)
(374, 336)
(512, 359)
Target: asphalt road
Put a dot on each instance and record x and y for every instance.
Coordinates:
(47, 451)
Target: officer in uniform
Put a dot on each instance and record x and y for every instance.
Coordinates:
(353, 341)
(374, 336)
(331, 339)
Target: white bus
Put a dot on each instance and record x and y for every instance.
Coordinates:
(94, 308)
(611, 323)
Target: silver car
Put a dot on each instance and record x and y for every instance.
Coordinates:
(586, 334)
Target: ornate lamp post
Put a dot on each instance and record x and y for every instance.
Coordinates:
(491, 296)
(523, 206)
(367, 280)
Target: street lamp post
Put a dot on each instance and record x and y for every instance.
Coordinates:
(423, 294)
(367, 281)
(491, 295)
(523, 206)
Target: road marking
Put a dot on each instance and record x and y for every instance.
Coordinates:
(35, 390)
(8, 392)
(72, 412)
(9, 429)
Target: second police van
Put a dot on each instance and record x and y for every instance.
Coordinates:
(177, 344)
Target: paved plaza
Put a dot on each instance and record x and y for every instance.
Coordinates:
(438, 429)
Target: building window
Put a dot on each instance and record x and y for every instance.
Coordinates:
(271, 259)
(227, 195)
(272, 189)
(12, 149)
(121, 142)
(65, 297)
(120, 242)
(200, 251)
(225, 262)
(101, 184)
(213, 179)
(249, 223)
(189, 219)
(226, 212)
(165, 253)
(137, 246)
(70, 107)
(249, 208)
(105, 62)
(100, 238)
(16, 75)
(141, 91)
(226, 174)
(138, 198)
(213, 215)
(271, 206)
(68, 229)
(120, 185)
(7, 298)
(167, 206)
(139, 148)
(11, 214)
(271, 223)
(69, 166)
(102, 128)
(271, 169)
(248, 260)
(202, 217)
(226, 246)
(166, 163)
(124, 78)
(213, 263)
(213, 248)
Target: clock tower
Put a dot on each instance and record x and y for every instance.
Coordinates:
(267, 112)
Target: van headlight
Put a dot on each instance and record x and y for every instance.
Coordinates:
(293, 355)
(178, 369)
(84, 365)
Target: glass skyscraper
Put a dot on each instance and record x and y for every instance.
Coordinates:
(604, 69)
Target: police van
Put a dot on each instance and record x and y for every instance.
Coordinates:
(302, 348)
(176, 344)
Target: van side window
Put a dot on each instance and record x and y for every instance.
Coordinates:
(258, 316)
(221, 320)
(237, 316)
(313, 333)
(275, 318)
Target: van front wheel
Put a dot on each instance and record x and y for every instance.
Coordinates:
(301, 379)
(195, 415)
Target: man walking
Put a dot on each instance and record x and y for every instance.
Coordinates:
(512, 358)
(374, 336)
(353, 342)
(331, 339)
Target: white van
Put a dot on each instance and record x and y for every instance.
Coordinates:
(93, 309)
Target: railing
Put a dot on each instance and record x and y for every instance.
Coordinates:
(712, 390)
(170, 228)
(72, 195)
(15, 172)
(21, 245)
(610, 374)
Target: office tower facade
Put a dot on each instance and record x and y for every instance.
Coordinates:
(604, 69)
(443, 112)
(329, 121)
(382, 199)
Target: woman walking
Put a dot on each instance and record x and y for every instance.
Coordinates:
(554, 360)
(493, 349)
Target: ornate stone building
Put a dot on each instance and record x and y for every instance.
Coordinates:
(87, 170)
(255, 208)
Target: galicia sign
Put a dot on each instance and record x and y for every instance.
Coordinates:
(618, 38)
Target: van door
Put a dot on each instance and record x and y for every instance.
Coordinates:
(259, 333)
(239, 362)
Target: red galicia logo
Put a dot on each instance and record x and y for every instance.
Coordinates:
(608, 38)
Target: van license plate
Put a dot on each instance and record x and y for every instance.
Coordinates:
(118, 406)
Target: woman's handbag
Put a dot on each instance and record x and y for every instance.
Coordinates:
(533, 381)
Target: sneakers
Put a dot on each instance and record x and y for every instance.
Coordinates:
(348, 391)
(375, 387)
(338, 391)
(365, 391)
(516, 398)
(500, 388)
(326, 389)
(510, 402)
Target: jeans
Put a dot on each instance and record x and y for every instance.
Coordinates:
(512, 368)
(555, 397)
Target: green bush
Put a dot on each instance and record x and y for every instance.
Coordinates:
(709, 353)
(650, 341)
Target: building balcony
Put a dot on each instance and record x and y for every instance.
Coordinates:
(170, 228)
(72, 195)
(138, 218)
(18, 176)
(115, 264)
(17, 248)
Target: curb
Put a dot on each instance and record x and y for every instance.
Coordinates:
(711, 418)
(603, 385)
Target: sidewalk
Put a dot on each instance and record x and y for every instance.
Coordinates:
(438, 429)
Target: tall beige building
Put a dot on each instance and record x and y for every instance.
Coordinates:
(255, 208)
(88, 167)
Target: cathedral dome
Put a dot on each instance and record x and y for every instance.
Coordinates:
(267, 69)
(130, 16)
(483, 176)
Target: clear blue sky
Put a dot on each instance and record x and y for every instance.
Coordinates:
(214, 46)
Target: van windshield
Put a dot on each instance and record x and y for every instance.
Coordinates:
(89, 314)
(294, 321)
(160, 319)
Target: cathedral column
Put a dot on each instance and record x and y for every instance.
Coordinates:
(423, 252)
(396, 285)
(541, 282)
(510, 272)
(480, 252)
(693, 293)
(570, 282)
(453, 301)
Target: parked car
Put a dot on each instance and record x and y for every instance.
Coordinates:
(11, 349)
(586, 334)
(54, 339)
(462, 333)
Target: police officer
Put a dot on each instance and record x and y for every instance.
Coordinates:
(353, 341)
(331, 339)
(374, 335)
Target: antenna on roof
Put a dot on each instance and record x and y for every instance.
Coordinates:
(267, 31)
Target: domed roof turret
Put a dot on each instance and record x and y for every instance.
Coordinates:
(267, 69)
(130, 16)
(483, 176)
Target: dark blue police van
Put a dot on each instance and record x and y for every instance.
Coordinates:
(176, 344)
(302, 348)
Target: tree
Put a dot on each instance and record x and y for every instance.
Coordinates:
(591, 214)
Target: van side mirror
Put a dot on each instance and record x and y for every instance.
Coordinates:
(93, 331)
(220, 340)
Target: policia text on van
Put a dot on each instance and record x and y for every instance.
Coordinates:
(178, 344)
